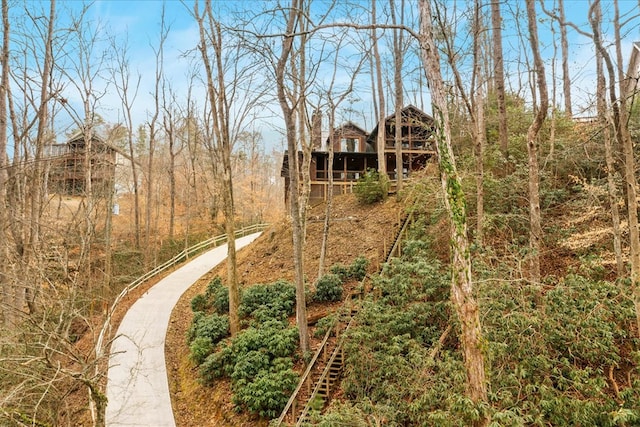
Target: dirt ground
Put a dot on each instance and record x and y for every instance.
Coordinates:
(266, 260)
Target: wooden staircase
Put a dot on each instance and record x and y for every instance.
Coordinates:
(325, 368)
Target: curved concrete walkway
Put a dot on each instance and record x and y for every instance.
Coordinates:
(137, 384)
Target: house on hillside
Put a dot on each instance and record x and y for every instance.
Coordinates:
(417, 141)
(355, 151)
(68, 163)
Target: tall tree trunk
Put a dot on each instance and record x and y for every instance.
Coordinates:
(621, 131)
(535, 220)
(479, 123)
(566, 77)
(121, 76)
(462, 296)
(496, 23)
(169, 130)
(329, 202)
(554, 98)
(216, 91)
(33, 252)
(333, 105)
(398, 88)
(605, 124)
(150, 231)
(294, 174)
(381, 137)
(473, 100)
(301, 113)
(5, 286)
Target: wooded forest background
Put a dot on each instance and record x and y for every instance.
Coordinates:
(516, 139)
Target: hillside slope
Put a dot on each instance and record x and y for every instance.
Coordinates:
(355, 230)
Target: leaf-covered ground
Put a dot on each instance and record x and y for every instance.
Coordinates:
(355, 230)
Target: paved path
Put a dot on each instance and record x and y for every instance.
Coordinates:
(137, 385)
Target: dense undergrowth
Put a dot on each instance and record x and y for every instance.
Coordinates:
(259, 360)
(563, 352)
(560, 354)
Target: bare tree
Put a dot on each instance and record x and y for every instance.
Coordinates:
(498, 58)
(621, 132)
(153, 137)
(398, 53)
(604, 119)
(472, 98)
(288, 111)
(535, 221)
(29, 240)
(333, 101)
(228, 75)
(566, 77)
(121, 77)
(169, 125)
(462, 296)
(5, 286)
(381, 137)
(191, 138)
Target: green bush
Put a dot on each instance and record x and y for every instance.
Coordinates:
(258, 359)
(340, 270)
(249, 365)
(275, 342)
(268, 392)
(275, 300)
(357, 270)
(216, 365)
(191, 332)
(214, 327)
(328, 288)
(215, 298)
(218, 296)
(200, 349)
(371, 187)
(199, 303)
(324, 325)
(258, 362)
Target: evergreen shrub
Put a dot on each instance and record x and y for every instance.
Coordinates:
(213, 327)
(371, 187)
(218, 296)
(268, 391)
(215, 298)
(324, 325)
(199, 349)
(357, 270)
(258, 360)
(275, 300)
(340, 270)
(328, 288)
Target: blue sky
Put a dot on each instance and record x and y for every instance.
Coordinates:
(138, 22)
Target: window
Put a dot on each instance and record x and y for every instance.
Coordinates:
(348, 145)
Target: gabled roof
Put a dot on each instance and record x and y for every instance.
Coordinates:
(408, 111)
(346, 128)
(78, 135)
(353, 126)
